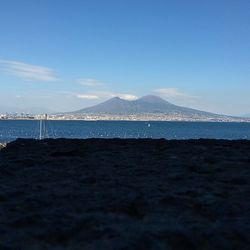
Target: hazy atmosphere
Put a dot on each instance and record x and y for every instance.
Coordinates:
(67, 55)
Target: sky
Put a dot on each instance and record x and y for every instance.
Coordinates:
(62, 55)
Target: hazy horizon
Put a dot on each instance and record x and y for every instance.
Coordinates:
(68, 55)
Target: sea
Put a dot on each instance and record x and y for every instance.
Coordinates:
(10, 130)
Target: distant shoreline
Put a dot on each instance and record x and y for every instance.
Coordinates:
(129, 120)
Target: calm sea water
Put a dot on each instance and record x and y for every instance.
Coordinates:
(10, 130)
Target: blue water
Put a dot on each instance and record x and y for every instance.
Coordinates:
(10, 130)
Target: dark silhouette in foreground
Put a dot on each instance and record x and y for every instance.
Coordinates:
(125, 194)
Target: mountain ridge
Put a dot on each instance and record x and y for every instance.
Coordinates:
(149, 104)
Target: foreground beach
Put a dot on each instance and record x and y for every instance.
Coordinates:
(125, 194)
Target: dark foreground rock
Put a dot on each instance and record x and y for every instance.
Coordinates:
(125, 194)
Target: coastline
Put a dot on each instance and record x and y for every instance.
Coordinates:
(239, 120)
(125, 194)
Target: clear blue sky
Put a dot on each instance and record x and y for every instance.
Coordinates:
(65, 55)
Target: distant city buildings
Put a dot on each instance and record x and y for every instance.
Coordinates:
(132, 117)
(17, 116)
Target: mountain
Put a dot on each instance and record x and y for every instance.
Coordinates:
(149, 104)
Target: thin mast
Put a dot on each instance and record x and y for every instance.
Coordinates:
(45, 131)
(41, 127)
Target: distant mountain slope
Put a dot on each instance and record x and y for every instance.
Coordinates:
(149, 104)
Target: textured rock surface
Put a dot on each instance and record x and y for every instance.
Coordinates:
(125, 194)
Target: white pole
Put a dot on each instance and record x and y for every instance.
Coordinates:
(41, 126)
(45, 135)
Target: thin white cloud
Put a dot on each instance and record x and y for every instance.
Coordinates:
(106, 95)
(125, 96)
(179, 97)
(170, 92)
(28, 72)
(128, 97)
(89, 97)
(89, 82)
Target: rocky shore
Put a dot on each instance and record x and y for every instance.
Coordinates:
(2, 145)
(125, 194)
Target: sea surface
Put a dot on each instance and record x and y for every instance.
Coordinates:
(13, 129)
